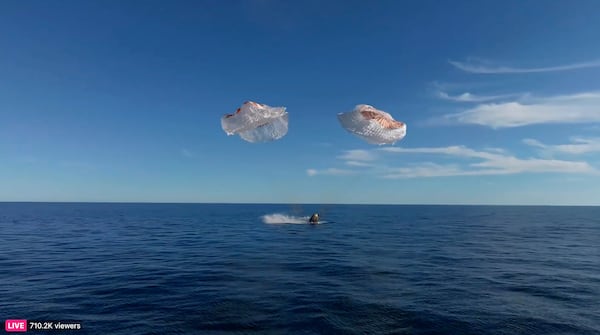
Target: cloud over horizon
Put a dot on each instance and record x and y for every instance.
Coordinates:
(493, 161)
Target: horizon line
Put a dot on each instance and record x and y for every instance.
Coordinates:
(290, 203)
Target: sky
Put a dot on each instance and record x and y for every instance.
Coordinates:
(122, 101)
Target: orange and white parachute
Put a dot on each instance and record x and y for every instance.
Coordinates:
(256, 122)
(372, 125)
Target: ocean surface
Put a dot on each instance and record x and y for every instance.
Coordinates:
(259, 269)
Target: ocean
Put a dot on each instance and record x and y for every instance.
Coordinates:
(260, 269)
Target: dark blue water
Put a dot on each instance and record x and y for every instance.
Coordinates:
(219, 269)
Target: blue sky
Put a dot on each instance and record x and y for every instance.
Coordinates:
(122, 100)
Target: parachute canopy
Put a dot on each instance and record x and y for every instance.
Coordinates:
(256, 122)
(372, 125)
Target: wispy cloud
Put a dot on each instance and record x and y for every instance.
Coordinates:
(468, 97)
(455, 150)
(358, 163)
(187, 153)
(533, 143)
(329, 172)
(498, 150)
(577, 146)
(471, 162)
(445, 86)
(358, 157)
(424, 170)
(574, 108)
(484, 67)
(493, 163)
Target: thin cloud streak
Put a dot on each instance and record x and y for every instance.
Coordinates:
(492, 164)
(358, 158)
(486, 68)
(357, 155)
(329, 172)
(563, 109)
(456, 150)
(577, 146)
(468, 97)
(492, 161)
(533, 143)
(358, 164)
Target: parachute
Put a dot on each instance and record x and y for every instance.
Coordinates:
(372, 125)
(256, 122)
